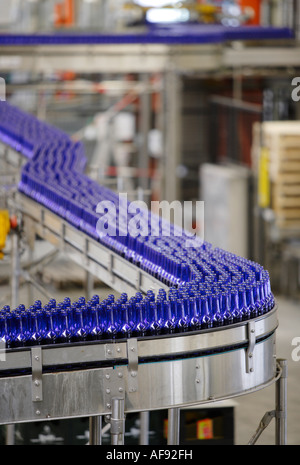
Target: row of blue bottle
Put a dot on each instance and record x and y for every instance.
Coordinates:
(181, 309)
(54, 177)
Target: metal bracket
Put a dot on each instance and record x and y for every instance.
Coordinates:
(63, 235)
(113, 385)
(251, 345)
(133, 363)
(117, 421)
(109, 351)
(265, 421)
(114, 351)
(37, 373)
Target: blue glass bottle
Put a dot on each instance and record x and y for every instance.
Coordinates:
(259, 300)
(217, 319)
(123, 297)
(234, 305)
(111, 323)
(87, 319)
(110, 298)
(138, 297)
(97, 328)
(65, 331)
(38, 327)
(51, 303)
(38, 305)
(95, 300)
(6, 309)
(154, 321)
(78, 331)
(160, 311)
(167, 318)
(151, 295)
(50, 335)
(268, 292)
(225, 309)
(263, 296)
(206, 321)
(17, 334)
(162, 293)
(57, 321)
(250, 301)
(125, 329)
(194, 313)
(245, 311)
(182, 317)
(143, 315)
(4, 331)
(67, 302)
(26, 325)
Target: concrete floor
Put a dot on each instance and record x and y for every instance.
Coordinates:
(249, 409)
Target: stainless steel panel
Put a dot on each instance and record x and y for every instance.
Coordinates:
(161, 347)
(201, 379)
(17, 360)
(211, 339)
(83, 353)
(65, 395)
(261, 57)
(116, 58)
(160, 385)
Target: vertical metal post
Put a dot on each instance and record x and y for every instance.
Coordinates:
(173, 135)
(173, 426)
(281, 405)
(89, 285)
(10, 435)
(144, 428)
(29, 285)
(117, 421)
(15, 281)
(145, 122)
(95, 431)
(15, 274)
(95, 423)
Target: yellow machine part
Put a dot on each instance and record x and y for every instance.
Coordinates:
(4, 229)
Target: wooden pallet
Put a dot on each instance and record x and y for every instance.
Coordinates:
(288, 224)
(282, 141)
(286, 202)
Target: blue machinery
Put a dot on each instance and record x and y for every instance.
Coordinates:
(199, 324)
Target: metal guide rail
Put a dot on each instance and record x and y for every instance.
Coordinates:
(185, 48)
(64, 381)
(108, 266)
(115, 377)
(100, 261)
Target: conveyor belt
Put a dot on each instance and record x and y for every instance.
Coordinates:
(208, 333)
(208, 287)
(179, 35)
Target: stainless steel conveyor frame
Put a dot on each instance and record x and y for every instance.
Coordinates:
(111, 378)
